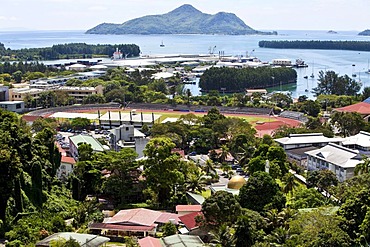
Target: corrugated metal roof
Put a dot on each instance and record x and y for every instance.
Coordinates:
(306, 139)
(182, 241)
(137, 216)
(117, 227)
(83, 239)
(150, 242)
(95, 144)
(189, 220)
(337, 155)
(192, 208)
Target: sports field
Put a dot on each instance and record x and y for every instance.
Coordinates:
(264, 124)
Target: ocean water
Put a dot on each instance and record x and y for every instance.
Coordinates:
(340, 61)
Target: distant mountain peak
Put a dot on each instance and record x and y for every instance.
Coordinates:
(183, 20)
(188, 8)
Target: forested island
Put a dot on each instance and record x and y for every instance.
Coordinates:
(316, 44)
(365, 32)
(67, 51)
(184, 20)
(237, 80)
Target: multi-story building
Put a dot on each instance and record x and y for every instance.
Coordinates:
(338, 159)
(127, 136)
(78, 93)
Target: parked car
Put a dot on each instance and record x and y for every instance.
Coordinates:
(235, 167)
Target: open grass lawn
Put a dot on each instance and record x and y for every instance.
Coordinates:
(206, 193)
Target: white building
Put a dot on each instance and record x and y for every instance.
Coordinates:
(127, 136)
(281, 62)
(13, 106)
(4, 93)
(338, 159)
(66, 167)
(360, 142)
(75, 140)
(306, 140)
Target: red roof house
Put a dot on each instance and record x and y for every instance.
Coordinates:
(363, 108)
(187, 209)
(138, 221)
(150, 242)
(189, 220)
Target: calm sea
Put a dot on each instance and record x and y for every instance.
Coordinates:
(340, 61)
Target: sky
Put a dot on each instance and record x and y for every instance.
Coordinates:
(259, 14)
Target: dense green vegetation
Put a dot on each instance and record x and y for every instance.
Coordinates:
(66, 51)
(183, 20)
(331, 83)
(237, 80)
(34, 204)
(316, 44)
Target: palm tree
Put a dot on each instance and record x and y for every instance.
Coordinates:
(287, 214)
(223, 236)
(273, 218)
(224, 153)
(363, 167)
(209, 168)
(279, 236)
(195, 182)
(290, 183)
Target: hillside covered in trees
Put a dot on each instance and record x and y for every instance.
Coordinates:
(66, 51)
(237, 80)
(184, 20)
(316, 44)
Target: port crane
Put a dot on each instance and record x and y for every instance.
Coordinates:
(211, 50)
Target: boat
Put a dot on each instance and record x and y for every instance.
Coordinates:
(161, 45)
(299, 63)
(353, 70)
(313, 75)
(305, 77)
(306, 90)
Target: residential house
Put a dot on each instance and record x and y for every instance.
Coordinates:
(187, 209)
(177, 240)
(138, 222)
(82, 239)
(75, 140)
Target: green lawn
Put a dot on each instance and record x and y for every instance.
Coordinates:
(206, 193)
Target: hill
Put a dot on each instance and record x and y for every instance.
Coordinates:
(183, 20)
(365, 33)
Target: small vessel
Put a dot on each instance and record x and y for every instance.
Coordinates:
(306, 90)
(161, 45)
(305, 77)
(353, 70)
(299, 63)
(313, 66)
